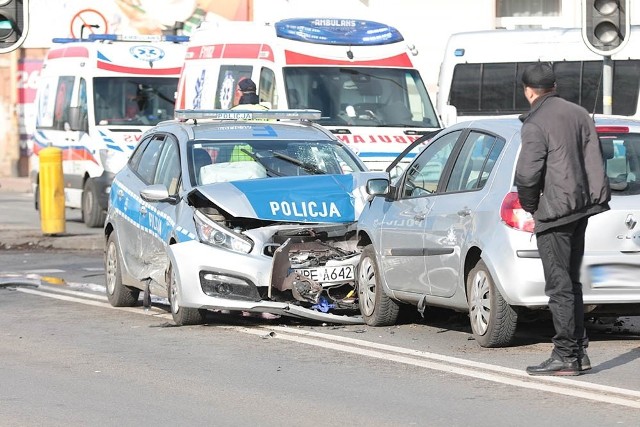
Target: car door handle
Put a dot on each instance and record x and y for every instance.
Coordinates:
(464, 212)
(419, 217)
(120, 193)
(143, 210)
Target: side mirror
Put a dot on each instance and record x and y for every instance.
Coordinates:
(449, 115)
(78, 119)
(378, 187)
(157, 193)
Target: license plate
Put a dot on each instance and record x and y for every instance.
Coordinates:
(614, 276)
(343, 273)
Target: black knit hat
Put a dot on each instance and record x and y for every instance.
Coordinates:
(539, 76)
(246, 85)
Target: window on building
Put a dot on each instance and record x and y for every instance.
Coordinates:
(518, 8)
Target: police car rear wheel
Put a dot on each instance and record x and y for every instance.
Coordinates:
(182, 315)
(118, 294)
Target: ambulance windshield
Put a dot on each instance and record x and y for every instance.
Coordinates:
(133, 100)
(360, 96)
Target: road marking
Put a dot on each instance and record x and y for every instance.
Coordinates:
(433, 361)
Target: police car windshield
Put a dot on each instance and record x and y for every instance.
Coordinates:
(358, 96)
(220, 161)
(133, 100)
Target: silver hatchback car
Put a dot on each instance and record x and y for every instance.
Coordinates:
(241, 210)
(450, 232)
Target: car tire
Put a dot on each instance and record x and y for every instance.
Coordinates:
(92, 214)
(376, 307)
(182, 316)
(118, 294)
(493, 321)
(36, 197)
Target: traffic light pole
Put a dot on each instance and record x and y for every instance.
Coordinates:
(607, 84)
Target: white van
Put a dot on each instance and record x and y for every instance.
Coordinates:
(480, 75)
(359, 74)
(95, 98)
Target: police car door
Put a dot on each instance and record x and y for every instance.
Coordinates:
(160, 216)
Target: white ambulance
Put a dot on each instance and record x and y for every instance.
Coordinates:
(95, 98)
(360, 74)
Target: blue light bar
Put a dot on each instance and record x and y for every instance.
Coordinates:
(343, 32)
(126, 38)
(138, 38)
(248, 114)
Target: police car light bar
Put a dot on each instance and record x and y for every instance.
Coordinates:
(138, 37)
(126, 38)
(248, 114)
(343, 32)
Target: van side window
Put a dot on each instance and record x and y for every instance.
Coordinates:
(62, 101)
(226, 87)
(267, 87)
(496, 88)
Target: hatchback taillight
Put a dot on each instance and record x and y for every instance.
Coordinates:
(513, 215)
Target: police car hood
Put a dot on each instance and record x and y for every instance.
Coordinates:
(306, 199)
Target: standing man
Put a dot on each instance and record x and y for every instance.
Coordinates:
(561, 181)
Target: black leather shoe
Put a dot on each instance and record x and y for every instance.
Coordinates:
(585, 362)
(553, 366)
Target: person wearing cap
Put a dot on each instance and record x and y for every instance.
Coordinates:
(246, 97)
(561, 181)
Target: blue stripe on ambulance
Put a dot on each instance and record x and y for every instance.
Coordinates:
(316, 198)
(110, 143)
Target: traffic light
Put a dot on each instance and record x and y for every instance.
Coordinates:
(14, 24)
(605, 25)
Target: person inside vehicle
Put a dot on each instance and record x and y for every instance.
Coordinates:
(246, 96)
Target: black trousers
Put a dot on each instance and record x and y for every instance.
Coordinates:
(561, 250)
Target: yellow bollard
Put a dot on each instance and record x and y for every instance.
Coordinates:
(51, 186)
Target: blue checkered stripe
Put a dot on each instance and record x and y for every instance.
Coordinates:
(155, 223)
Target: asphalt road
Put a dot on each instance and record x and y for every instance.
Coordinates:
(68, 358)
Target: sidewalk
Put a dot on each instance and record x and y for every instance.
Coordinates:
(20, 227)
(15, 184)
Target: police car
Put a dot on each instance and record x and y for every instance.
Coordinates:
(237, 210)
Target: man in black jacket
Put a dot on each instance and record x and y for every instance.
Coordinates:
(561, 181)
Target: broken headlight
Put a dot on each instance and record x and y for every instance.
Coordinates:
(214, 234)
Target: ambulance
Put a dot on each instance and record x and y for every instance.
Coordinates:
(360, 74)
(95, 98)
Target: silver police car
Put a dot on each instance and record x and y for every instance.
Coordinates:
(238, 210)
(450, 232)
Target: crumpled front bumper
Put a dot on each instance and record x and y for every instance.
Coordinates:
(189, 259)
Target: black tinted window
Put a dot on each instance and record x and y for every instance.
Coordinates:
(496, 88)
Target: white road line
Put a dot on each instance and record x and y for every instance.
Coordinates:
(433, 361)
(453, 360)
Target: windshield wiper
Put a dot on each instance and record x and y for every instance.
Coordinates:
(304, 165)
(259, 160)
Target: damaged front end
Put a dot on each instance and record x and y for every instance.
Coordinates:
(302, 270)
(315, 268)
